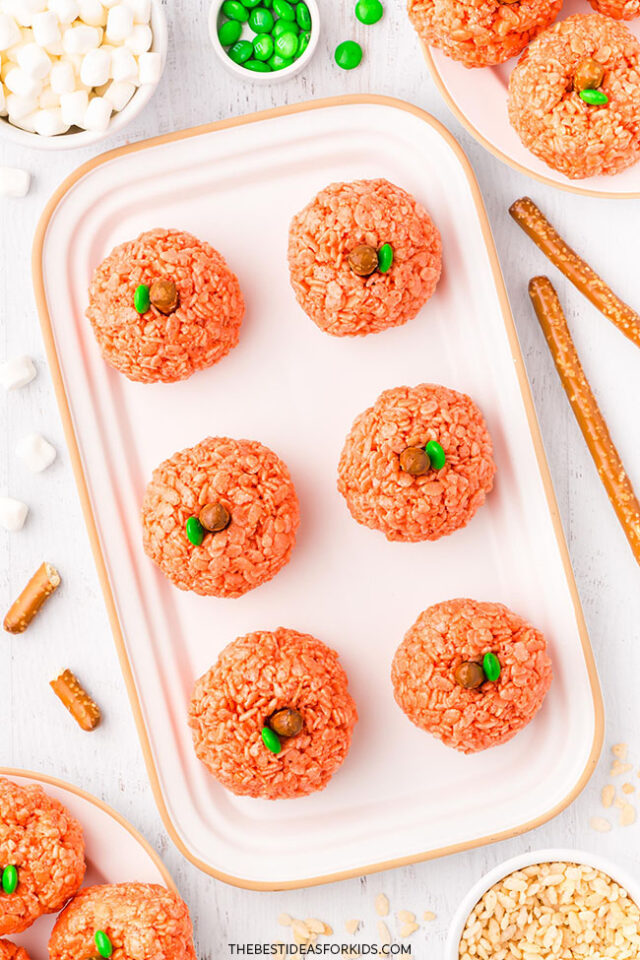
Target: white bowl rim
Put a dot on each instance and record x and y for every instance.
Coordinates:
(519, 862)
(274, 76)
(83, 138)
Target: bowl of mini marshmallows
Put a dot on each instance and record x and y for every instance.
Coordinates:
(548, 904)
(72, 72)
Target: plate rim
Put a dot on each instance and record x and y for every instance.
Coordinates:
(92, 530)
(49, 781)
(437, 78)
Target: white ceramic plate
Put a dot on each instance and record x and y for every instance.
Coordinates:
(478, 98)
(401, 795)
(115, 852)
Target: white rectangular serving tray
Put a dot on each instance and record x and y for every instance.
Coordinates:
(401, 796)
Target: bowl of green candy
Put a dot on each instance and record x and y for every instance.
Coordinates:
(264, 40)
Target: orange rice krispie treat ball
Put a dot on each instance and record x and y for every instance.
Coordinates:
(472, 674)
(9, 951)
(141, 921)
(41, 855)
(363, 256)
(273, 717)
(417, 464)
(481, 33)
(574, 97)
(220, 518)
(164, 306)
(618, 9)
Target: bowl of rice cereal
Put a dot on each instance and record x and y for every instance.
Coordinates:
(548, 904)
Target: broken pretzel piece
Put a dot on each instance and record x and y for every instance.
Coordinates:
(75, 698)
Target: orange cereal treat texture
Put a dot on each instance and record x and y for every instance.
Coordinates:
(279, 681)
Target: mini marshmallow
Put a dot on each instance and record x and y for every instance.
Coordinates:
(119, 93)
(24, 10)
(35, 453)
(55, 49)
(20, 82)
(65, 10)
(141, 10)
(97, 115)
(62, 78)
(9, 32)
(34, 61)
(19, 107)
(74, 107)
(150, 68)
(14, 182)
(46, 29)
(96, 68)
(3, 102)
(140, 39)
(119, 23)
(49, 123)
(25, 123)
(93, 12)
(49, 99)
(13, 514)
(18, 371)
(123, 64)
(81, 39)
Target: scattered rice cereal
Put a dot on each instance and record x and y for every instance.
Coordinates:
(553, 910)
(155, 345)
(382, 905)
(254, 487)
(481, 33)
(255, 677)
(341, 218)
(462, 631)
(576, 138)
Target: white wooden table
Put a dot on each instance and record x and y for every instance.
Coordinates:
(36, 734)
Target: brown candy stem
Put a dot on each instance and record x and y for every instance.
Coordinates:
(469, 674)
(75, 698)
(588, 76)
(535, 225)
(164, 296)
(415, 460)
(363, 260)
(585, 407)
(214, 517)
(43, 583)
(286, 722)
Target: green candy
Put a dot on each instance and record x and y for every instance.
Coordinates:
(436, 454)
(491, 667)
(271, 740)
(596, 98)
(286, 46)
(262, 47)
(234, 10)
(10, 879)
(258, 66)
(104, 945)
(141, 298)
(195, 531)
(261, 20)
(385, 258)
(303, 43)
(284, 9)
(229, 32)
(240, 51)
(348, 54)
(279, 63)
(303, 17)
(284, 26)
(369, 11)
(250, 3)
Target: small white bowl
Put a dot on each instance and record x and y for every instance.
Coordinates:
(82, 138)
(621, 877)
(276, 75)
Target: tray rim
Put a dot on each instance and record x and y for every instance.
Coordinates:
(570, 187)
(92, 530)
(49, 781)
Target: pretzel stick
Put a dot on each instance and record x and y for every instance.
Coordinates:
(583, 403)
(75, 698)
(43, 583)
(545, 236)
